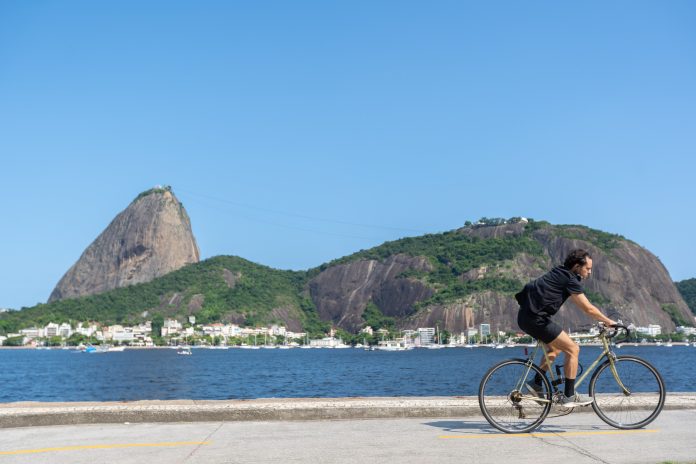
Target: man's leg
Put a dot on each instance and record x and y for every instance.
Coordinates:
(564, 343)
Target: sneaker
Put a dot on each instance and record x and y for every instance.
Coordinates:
(535, 389)
(575, 401)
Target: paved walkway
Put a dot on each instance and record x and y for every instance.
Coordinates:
(286, 409)
(578, 438)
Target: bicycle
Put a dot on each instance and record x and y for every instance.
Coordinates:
(628, 391)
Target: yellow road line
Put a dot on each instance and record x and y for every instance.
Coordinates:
(549, 434)
(114, 446)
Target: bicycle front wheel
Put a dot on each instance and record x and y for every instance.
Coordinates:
(507, 403)
(634, 405)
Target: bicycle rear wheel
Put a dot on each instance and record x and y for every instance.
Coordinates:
(639, 404)
(505, 401)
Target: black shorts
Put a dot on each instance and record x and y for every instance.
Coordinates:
(539, 327)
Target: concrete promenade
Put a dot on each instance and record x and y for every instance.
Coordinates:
(28, 414)
(577, 438)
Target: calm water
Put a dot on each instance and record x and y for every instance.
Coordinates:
(61, 375)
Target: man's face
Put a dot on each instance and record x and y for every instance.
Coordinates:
(585, 271)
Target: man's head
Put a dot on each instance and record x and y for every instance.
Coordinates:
(579, 262)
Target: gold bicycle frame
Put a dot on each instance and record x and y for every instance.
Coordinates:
(606, 353)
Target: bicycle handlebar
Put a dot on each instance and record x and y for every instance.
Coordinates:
(613, 330)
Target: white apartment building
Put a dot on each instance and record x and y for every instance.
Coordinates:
(686, 330)
(64, 330)
(278, 330)
(651, 329)
(87, 331)
(426, 335)
(51, 330)
(171, 327)
(295, 335)
(124, 335)
(32, 332)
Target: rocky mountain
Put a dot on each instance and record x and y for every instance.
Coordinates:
(461, 279)
(150, 238)
(455, 280)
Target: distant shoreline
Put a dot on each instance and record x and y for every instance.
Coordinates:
(74, 348)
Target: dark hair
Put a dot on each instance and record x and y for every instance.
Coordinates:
(576, 257)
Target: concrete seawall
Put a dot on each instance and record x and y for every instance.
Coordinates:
(28, 414)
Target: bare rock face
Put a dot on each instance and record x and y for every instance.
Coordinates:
(341, 293)
(632, 280)
(150, 238)
(628, 282)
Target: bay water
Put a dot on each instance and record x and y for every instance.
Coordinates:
(161, 374)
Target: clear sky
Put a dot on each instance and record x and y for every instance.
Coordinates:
(297, 132)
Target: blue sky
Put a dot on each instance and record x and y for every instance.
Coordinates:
(298, 132)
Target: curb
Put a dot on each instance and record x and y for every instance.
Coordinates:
(30, 414)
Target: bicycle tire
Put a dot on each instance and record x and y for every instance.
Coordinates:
(635, 409)
(510, 410)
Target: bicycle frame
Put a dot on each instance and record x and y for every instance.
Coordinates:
(606, 353)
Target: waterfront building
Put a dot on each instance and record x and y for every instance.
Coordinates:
(171, 327)
(484, 330)
(277, 330)
(87, 331)
(367, 330)
(686, 330)
(214, 330)
(123, 335)
(64, 330)
(32, 332)
(295, 335)
(426, 335)
(327, 342)
(51, 330)
(651, 330)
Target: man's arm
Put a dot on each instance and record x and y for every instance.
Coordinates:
(588, 308)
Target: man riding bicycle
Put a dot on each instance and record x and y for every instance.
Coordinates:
(542, 298)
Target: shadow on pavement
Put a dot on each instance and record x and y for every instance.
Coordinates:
(483, 427)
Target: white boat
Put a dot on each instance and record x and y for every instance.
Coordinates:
(392, 345)
(115, 348)
(184, 350)
(435, 346)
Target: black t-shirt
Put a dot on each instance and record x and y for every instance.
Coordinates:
(545, 295)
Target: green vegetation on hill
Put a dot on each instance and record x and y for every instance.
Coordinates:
(452, 254)
(257, 291)
(232, 289)
(166, 188)
(602, 240)
(687, 288)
